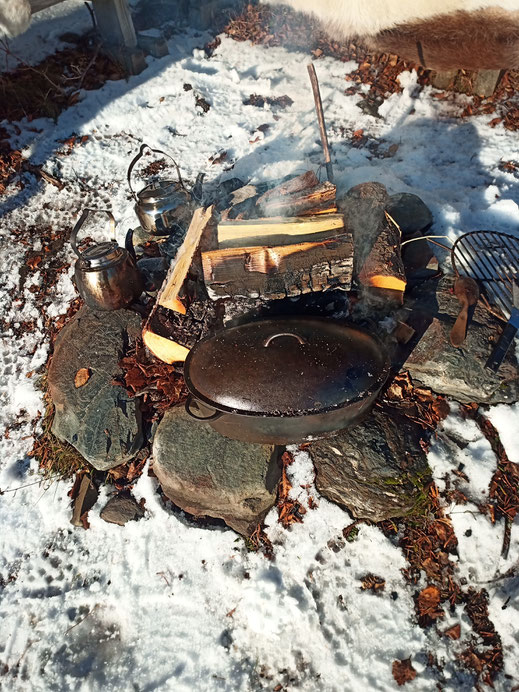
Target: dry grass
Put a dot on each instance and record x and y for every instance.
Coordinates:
(57, 460)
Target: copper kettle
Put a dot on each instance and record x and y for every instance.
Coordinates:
(164, 205)
(106, 274)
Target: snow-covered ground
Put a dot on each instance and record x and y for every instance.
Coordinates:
(160, 603)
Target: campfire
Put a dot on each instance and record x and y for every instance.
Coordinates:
(290, 314)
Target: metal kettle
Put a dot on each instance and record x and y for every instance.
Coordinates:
(165, 205)
(106, 274)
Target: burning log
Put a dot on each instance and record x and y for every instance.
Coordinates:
(294, 186)
(174, 325)
(378, 266)
(319, 200)
(279, 272)
(278, 231)
(302, 195)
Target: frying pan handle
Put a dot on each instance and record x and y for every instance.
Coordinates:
(189, 410)
(271, 338)
(501, 348)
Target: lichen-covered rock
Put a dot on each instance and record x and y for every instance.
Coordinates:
(431, 309)
(204, 473)
(376, 469)
(96, 416)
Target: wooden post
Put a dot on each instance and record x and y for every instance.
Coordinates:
(115, 26)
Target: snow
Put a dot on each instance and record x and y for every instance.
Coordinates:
(164, 603)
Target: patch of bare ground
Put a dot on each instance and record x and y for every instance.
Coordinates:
(46, 89)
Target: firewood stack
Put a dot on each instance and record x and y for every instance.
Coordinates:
(284, 242)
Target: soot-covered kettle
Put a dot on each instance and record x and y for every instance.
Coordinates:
(106, 275)
(164, 205)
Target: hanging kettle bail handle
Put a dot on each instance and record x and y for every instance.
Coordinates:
(139, 156)
(84, 215)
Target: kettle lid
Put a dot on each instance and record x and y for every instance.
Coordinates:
(159, 190)
(102, 254)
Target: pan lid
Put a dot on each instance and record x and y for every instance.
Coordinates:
(285, 367)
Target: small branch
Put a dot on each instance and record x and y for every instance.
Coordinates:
(92, 61)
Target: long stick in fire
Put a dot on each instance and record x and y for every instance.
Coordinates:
(320, 118)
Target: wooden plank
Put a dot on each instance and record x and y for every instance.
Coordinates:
(115, 24)
(279, 272)
(278, 230)
(169, 294)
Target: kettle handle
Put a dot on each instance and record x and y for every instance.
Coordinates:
(139, 156)
(85, 214)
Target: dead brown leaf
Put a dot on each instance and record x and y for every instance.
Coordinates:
(373, 583)
(428, 602)
(453, 632)
(82, 377)
(403, 671)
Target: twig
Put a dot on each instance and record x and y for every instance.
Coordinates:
(506, 538)
(82, 619)
(92, 61)
(320, 118)
(21, 487)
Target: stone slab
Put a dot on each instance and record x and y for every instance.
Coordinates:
(376, 469)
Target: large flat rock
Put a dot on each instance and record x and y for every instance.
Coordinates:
(459, 373)
(204, 473)
(98, 418)
(376, 469)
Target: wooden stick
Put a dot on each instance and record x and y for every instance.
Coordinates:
(320, 118)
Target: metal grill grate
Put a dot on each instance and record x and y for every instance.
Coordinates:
(492, 259)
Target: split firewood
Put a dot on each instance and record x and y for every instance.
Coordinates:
(302, 195)
(279, 272)
(318, 200)
(278, 231)
(378, 268)
(293, 187)
(170, 335)
(175, 323)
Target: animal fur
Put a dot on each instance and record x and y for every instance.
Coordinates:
(483, 40)
(440, 34)
(369, 17)
(15, 16)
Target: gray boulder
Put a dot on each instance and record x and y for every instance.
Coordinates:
(204, 473)
(410, 212)
(376, 469)
(98, 418)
